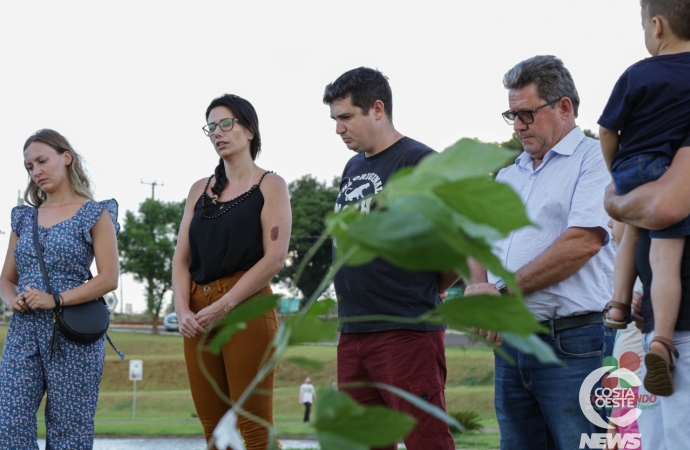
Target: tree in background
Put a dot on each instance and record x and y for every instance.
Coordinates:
(515, 144)
(311, 200)
(590, 133)
(147, 243)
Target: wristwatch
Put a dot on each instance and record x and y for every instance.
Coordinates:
(501, 287)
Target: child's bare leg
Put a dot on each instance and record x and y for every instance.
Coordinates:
(625, 272)
(665, 259)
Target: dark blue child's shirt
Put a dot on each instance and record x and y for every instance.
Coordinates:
(650, 106)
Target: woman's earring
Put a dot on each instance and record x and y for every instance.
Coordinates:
(215, 198)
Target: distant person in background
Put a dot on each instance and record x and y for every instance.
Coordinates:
(233, 239)
(307, 395)
(37, 359)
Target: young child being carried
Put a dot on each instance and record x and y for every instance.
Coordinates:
(641, 128)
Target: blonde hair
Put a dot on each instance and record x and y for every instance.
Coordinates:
(78, 179)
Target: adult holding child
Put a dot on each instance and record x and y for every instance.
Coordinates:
(72, 230)
(233, 239)
(642, 126)
(654, 206)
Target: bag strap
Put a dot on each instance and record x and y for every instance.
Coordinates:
(117, 350)
(39, 253)
(46, 280)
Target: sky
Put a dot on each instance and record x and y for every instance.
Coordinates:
(128, 82)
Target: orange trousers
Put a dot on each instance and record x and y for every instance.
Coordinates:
(233, 369)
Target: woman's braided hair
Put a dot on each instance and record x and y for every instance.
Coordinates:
(246, 116)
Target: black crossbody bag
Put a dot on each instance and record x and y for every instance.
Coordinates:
(84, 323)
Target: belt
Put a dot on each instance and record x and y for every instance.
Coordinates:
(566, 323)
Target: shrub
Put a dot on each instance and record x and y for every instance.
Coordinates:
(470, 420)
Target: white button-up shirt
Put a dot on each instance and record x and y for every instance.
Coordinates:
(566, 190)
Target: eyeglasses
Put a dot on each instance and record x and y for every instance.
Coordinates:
(225, 125)
(526, 116)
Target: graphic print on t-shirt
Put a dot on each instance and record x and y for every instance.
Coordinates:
(355, 189)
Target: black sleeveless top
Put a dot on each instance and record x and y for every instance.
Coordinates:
(226, 240)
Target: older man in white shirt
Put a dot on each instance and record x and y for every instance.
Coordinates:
(563, 265)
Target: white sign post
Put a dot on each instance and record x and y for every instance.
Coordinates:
(136, 373)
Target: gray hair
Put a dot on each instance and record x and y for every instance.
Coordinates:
(553, 80)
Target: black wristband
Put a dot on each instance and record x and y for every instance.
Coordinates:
(501, 287)
(57, 299)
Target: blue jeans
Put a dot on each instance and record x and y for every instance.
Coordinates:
(638, 170)
(664, 423)
(644, 168)
(537, 404)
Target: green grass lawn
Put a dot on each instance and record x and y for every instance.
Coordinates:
(165, 408)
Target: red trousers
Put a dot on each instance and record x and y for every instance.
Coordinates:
(414, 361)
(233, 369)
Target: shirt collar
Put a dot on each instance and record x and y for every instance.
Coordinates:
(565, 147)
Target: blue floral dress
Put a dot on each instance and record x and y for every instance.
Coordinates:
(71, 376)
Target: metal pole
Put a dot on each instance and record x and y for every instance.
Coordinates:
(122, 297)
(134, 401)
(153, 187)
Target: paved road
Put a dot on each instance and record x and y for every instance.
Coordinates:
(453, 338)
(457, 339)
(145, 329)
(178, 444)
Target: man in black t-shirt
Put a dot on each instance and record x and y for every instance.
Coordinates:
(654, 206)
(407, 356)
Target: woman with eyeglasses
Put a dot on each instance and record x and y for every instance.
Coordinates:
(71, 230)
(233, 239)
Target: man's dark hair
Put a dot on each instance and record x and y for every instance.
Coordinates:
(553, 80)
(676, 12)
(364, 86)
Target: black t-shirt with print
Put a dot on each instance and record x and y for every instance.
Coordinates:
(379, 287)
